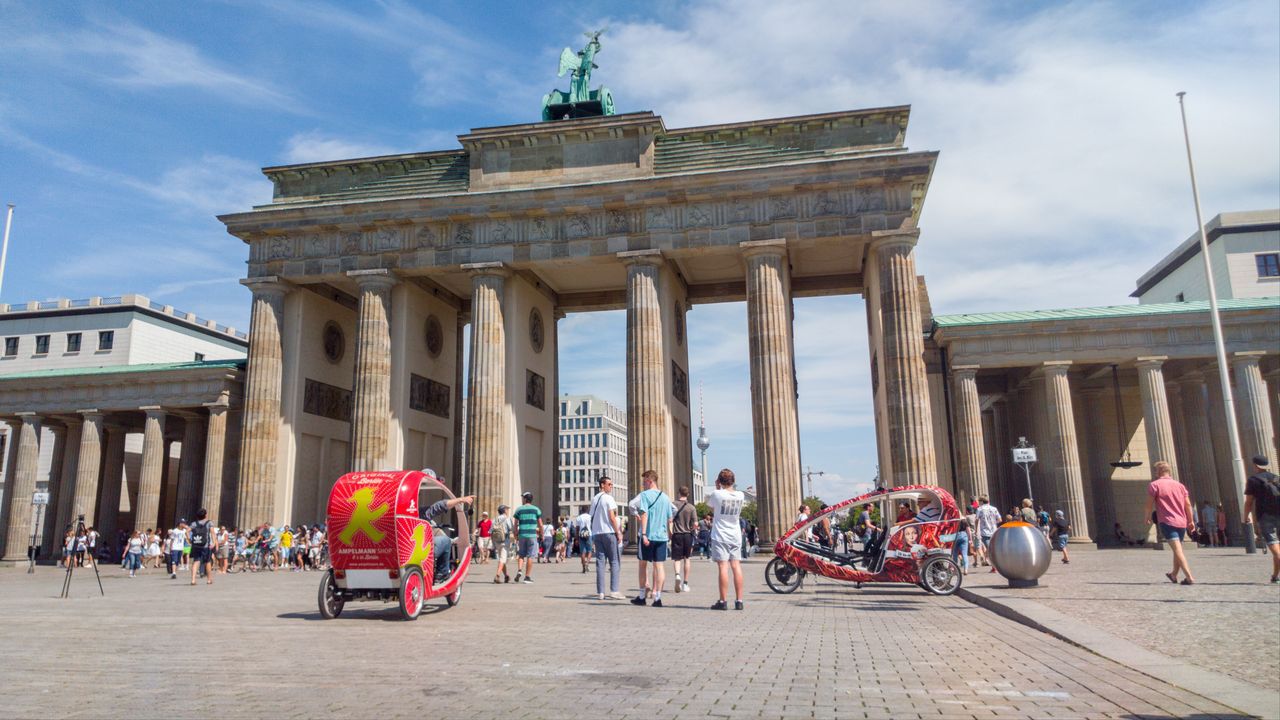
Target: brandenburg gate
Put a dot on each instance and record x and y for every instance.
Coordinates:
(364, 273)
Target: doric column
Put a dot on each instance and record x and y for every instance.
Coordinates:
(150, 478)
(487, 391)
(1197, 460)
(1219, 435)
(1155, 412)
(18, 492)
(371, 397)
(1063, 447)
(1173, 398)
(648, 440)
(773, 392)
(87, 467)
(10, 471)
(1273, 402)
(972, 459)
(215, 446)
(911, 448)
(191, 467)
(1251, 406)
(63, 437)
(112, 479)
(261, 426)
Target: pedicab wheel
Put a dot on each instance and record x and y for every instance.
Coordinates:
(782, 577)
(454, 597)
(940, 575)
(412, 592)
(330, 602)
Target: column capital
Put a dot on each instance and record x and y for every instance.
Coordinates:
(965, 371)
(651, 257)
(487, 269)
(1154, 362)
(754, 248)
(29, 417)
(270, 285)
(1247, 358)
(374, 279)
(894, 239)
(1055, 367)
(155, 411)
(217, 407)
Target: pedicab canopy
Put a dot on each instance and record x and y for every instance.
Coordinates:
(373, 520)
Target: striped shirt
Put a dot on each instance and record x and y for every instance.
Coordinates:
(527, 519)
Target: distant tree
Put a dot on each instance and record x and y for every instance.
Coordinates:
(749, 512)
(813, 502)
(703, 509)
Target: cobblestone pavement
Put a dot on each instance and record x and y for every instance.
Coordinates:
(254, 646)
(1229, 621)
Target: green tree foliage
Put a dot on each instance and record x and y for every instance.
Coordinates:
(703, 509)
(749, 512)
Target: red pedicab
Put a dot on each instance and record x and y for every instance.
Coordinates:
(918, 553)
(381, 549)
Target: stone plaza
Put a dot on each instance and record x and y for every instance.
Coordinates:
(253, 645)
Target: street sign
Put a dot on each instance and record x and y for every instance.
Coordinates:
(40, 498)
(1024, 455)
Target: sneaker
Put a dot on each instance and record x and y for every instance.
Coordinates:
(720, 605)
(638, 600)
(600, 596)
(737, 605)
(657, 603)
(519, 575)
(617, 596)
(173, 576)
(527, 581)
(496, 581)
(684, 587)
(677, 579)
(506, 578)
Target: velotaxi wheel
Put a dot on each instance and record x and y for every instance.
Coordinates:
(940, 576)
(782, 577)
(454, 597)
(331, 603)
(413, 590)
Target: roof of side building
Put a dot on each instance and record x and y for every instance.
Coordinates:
(1110, 311)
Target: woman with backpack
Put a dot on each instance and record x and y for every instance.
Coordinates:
(500, 534)
(1060, 533)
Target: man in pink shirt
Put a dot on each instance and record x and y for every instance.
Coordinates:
(1172, 504)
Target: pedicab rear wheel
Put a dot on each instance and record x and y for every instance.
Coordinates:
(412, 592)
(940, 575)
(454, 597)
(783, 577)
(331, 603)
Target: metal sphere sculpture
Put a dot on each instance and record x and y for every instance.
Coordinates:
(1020, 553)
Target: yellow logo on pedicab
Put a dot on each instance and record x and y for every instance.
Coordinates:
(421, 547)
(363, 517)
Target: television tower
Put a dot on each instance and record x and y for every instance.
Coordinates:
(704, 442)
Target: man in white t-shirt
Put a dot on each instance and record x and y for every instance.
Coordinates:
(581, 528)
(988, 521)
(726, 536)
(177, 541)
(606, 534)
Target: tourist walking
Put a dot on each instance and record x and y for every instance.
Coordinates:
(548, 530)
(726, 537)
(1174, 515)
(1042, 520)
(684, 523)
(1209, 524)
(960, 545)
(484, 537)
(1026, 514)
(704, 537)
(1262, 508)
(201, 551)
(606, 535)
(177, 545)
(582, 531)
(528, 519)
(653, 508)
(988, 520)
(1224, 538)
(133, 553)
(1060, 533)
(500, 534)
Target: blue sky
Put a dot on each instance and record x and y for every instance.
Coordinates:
(125, 127)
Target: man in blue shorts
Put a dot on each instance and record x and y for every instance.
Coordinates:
(528, 519)
(653, 508)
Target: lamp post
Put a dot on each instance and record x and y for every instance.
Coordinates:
(4, 249)
(1228, 399)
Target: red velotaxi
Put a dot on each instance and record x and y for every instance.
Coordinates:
(915, 550)
(381, 547)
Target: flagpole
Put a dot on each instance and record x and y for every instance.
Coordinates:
(1228, 399)
(4, 250)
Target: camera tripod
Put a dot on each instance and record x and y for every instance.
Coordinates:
(71, 564)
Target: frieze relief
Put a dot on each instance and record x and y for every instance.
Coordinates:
(428, 396)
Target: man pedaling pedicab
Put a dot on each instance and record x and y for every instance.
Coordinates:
(443, 544)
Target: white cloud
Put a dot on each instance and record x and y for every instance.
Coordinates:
(315, 146)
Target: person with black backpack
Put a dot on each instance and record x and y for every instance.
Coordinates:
(201, 547)
(1262, 508)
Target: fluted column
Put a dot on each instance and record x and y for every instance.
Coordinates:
(1273, 402)
(191, 467)
(487, 391)
(773, 392)
(215, 446)
(1251, 406)
(371, 396)
(1228, 493)
(150, 478)
(112, 480)
(10, 471)
(1063, 447)
(1155, 412)
(969, 444)
(64, 437)
(261, 425)
(87, 467)
(911, 448)
(1197, 460)
(18, 492)
(648, 440)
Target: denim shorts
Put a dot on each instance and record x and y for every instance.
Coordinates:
(1060, 542)
(528, 547)
(1169, 532)
(1269, 528)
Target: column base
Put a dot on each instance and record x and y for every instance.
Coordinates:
(1024, 583)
